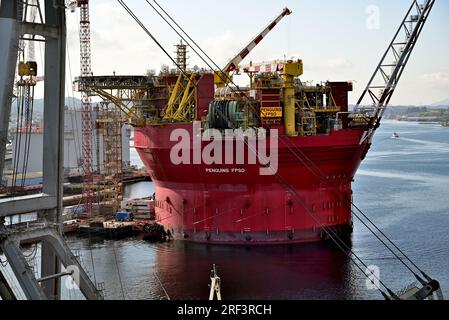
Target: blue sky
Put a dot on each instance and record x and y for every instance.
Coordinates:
(331, 36)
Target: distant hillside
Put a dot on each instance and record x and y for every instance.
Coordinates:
(441, 103)
(70, 102)
(404, 107)
(39, 104)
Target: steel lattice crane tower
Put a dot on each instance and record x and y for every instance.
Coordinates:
(86, 70)
(109, 121)
(388, 72)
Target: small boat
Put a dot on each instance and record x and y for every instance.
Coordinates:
(70, 226)
(395, 135)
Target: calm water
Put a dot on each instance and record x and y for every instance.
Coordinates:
(403, 186)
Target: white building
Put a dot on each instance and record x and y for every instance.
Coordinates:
(73, 154)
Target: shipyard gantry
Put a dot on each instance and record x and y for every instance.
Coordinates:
(46, 230)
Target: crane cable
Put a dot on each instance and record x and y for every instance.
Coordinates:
(29, 103)
(29, 93)
(350, 253)
(117, 266)
(25, 98)
(18, 142)
(318, 169)
(162, 286)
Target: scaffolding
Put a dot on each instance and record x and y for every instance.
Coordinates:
(110, 122)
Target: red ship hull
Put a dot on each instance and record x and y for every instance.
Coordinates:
(235, 204)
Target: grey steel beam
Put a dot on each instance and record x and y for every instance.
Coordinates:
(8, 57)
(6, 292)
(52, 240)
(24, 274)
(53, 157)
(50, 265)
(39, 29)
(54, 106)
(66, 257)
(25, 204)
(30, 235)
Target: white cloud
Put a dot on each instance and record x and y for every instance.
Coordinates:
(118, 43)
(438, 79)
(331, 64)
(223, 47)
(220, 48)
(328, 68)
(337, 63)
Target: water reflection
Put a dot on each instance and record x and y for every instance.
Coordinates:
(308, 271)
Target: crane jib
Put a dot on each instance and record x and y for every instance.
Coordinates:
(234, 62)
